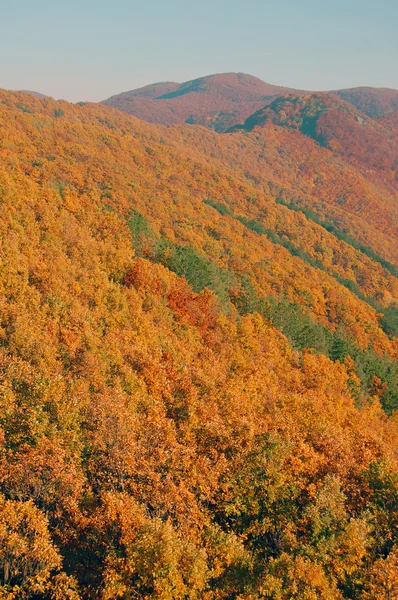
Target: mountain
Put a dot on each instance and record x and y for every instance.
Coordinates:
(198, 358)
(374, 102)
(335, 180)
(390, 122)
(337, 125)
(217, 101)
(222, 101)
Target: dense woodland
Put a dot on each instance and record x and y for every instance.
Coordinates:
(198, 355)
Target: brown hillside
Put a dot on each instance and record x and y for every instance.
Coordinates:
(216, 101)
(374, 102)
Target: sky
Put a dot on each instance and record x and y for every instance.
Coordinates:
(93, 49)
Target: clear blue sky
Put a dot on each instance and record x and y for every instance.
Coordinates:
(91, 49)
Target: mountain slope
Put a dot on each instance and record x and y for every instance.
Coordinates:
(334, 124)
(168, 171)
(217, 101)
(374, 102)
(191, 395)
(354, 198)
(390, 121)
(224, 100)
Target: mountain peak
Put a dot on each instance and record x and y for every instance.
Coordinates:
(218, 101)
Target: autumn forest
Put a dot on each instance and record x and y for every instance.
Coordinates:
(198, 344)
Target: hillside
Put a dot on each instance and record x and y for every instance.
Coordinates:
(228, 99)
(374, 102)
(199, 377)
(390, 122)
(217, 101)
(336, 125)
(334, 181)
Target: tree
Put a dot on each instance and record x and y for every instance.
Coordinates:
(29, 562)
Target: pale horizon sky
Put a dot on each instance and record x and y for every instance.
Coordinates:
(91, 49)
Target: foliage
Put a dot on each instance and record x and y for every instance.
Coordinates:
(28, 559)
(188, 408)
(341, 235)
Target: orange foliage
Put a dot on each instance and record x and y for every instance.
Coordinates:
(154, 441)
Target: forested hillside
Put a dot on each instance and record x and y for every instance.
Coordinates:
(198, 349)
(366, 143)
(224, 100)
(374, 102)
(216, 101)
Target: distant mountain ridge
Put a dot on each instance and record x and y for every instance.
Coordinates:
(37, 94)
(216, 101)
(224, 100)
(374, 102)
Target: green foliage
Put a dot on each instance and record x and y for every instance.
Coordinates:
(221, 208)
(140, 228)
(389, 316)
(198, 271)
(299, 327)
(389, 320)
(256, 227)
(261, 495)
(25, 109)
(384, 505)
(253, 226)
(185, 261)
